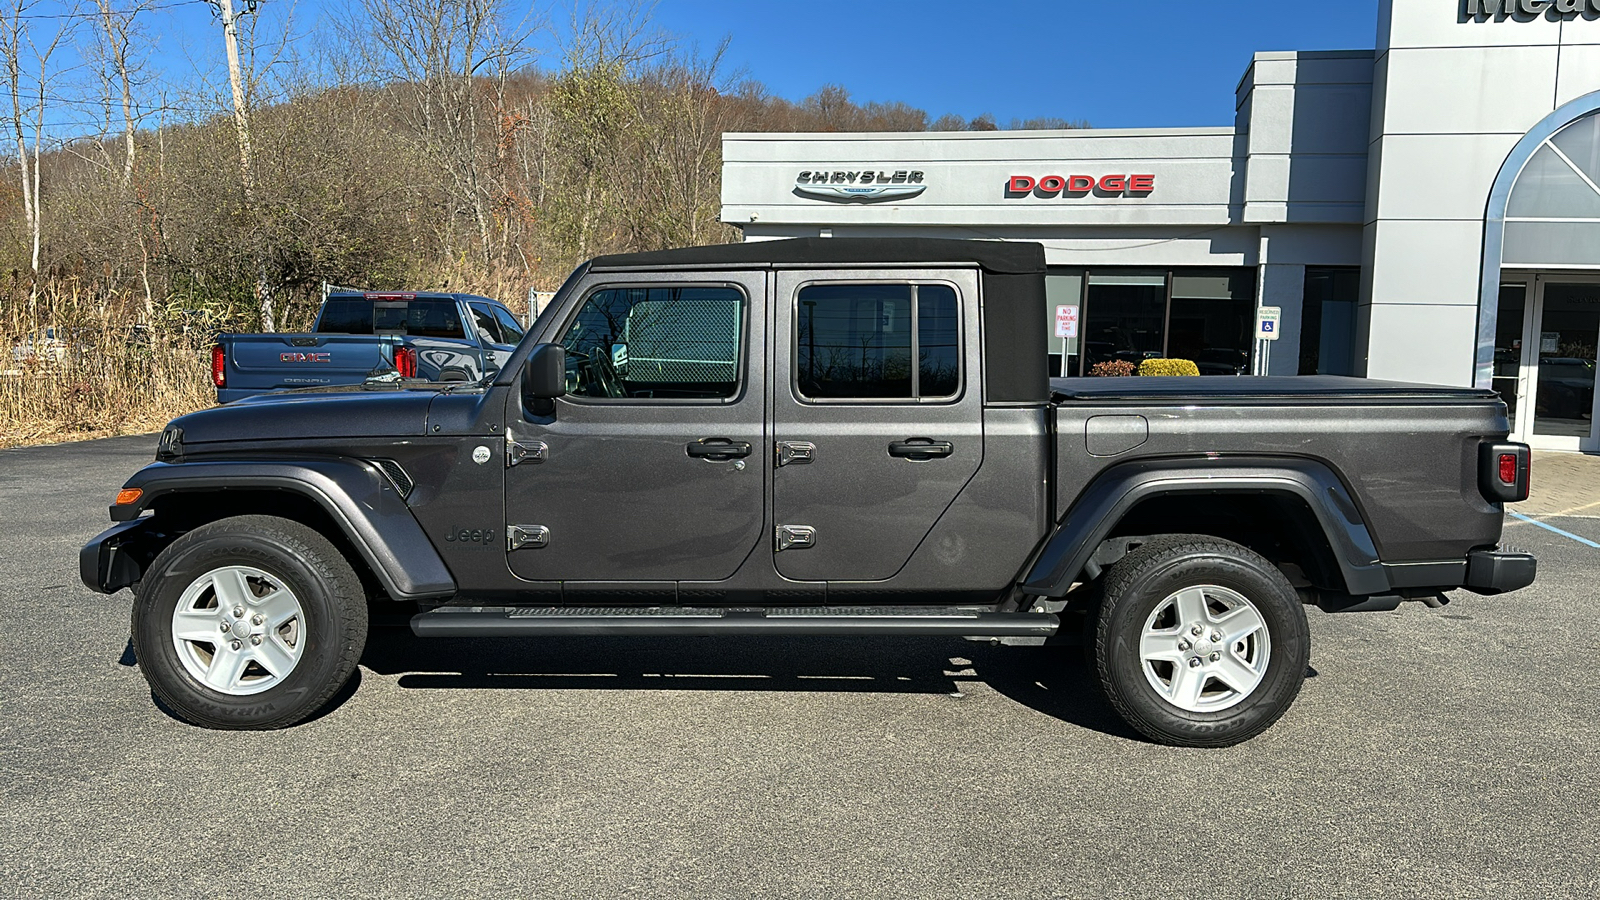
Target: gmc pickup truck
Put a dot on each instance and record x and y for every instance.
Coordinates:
(810, 437)
(434, 337)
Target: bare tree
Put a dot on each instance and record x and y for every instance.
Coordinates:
(448, 61)
(241, 123)
(17, 47)
(114, 41)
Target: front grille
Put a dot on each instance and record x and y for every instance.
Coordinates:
(402, 481)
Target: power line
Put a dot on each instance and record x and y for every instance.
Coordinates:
(96, 15)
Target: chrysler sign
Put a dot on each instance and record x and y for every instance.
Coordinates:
(869, 186)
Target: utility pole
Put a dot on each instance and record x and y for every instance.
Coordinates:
(241, 124)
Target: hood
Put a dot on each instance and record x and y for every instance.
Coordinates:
(314, 414)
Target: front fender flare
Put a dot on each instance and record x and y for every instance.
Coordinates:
(353, 493)
(1119, 489)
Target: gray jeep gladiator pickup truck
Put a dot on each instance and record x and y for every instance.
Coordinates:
(810, 437)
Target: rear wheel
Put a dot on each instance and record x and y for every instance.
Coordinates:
(1199, 642)
(249, 622)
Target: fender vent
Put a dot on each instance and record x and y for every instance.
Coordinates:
(402, 481)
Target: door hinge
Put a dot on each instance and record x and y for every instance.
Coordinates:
(796, 537)
(796, 453)
(517, 452)
(530, 536)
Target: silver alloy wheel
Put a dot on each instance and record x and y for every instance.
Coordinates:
(238, 630)
(1205, 648)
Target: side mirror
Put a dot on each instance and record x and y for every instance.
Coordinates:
(544, 375)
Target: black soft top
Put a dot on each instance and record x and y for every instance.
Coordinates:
(1016, 356)
(1000, 257)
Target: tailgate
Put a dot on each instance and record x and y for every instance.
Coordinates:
(269, 361)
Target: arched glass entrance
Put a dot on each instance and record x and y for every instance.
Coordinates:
(1546, 323)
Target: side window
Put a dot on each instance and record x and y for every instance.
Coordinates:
(510, 329)
(660, 343)
(487, 326)
(878, 341)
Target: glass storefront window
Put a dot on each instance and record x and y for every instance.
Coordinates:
(1203, 315)
(1213, 321)
(1328, 320)
(1126, 317)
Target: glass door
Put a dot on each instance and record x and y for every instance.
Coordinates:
(1560, 349)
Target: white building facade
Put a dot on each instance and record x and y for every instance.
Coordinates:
(1428, 210)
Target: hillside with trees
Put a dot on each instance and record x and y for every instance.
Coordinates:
(448, 144)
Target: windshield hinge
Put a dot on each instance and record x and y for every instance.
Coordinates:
(518, 453)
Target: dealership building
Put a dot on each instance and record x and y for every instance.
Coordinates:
(1428, 210)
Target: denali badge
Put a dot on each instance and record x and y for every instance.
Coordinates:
(860, 187)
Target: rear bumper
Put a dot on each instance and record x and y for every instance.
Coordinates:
(1499, 571)
(228, 395)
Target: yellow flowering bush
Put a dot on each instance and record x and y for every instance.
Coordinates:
(1168, 367)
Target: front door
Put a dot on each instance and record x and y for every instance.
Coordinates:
(1556, 408)
(877, 416)
(651, 469)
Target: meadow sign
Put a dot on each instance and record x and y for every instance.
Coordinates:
(1500, 10)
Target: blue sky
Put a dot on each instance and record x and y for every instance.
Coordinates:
(1116, 63)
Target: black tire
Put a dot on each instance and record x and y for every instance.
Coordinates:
(330, 596)
(1143, 581)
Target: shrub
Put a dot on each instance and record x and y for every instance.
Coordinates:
(1112, 367)
(1168, 367)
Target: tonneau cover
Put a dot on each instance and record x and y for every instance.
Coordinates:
(1292, 389)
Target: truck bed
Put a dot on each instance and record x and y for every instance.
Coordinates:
(1408, 452)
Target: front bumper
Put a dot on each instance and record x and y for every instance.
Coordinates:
(117, 557)
(1499, 571)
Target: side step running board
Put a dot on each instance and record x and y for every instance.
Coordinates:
(503, 621)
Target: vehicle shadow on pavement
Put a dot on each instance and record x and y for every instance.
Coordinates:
(1051, 680)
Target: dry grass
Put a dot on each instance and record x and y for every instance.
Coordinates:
(74, 367)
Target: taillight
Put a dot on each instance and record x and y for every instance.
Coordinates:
(1504, 472)
(219, 366)
(405, 362)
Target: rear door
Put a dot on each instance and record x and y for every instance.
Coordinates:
(877, 416)
(651, 469)
(497, 340)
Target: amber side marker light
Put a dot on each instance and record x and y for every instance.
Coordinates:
(129, 495)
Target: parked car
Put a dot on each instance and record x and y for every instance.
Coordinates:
(811, 437)
(428, 336)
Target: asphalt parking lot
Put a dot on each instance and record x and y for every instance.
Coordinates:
(1449, 753)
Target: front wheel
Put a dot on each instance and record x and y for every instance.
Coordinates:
(1199, 642)
(249, 622)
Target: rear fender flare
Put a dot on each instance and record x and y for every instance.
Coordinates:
(1112, 495)
(359, 498)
